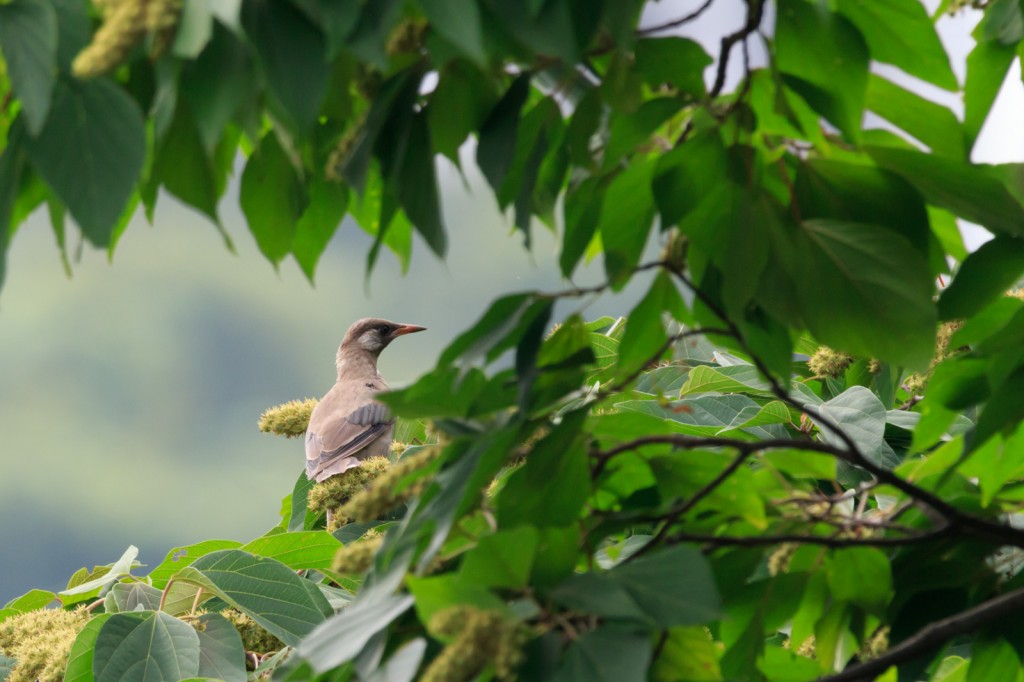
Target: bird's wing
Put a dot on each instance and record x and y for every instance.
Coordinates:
(343, 435)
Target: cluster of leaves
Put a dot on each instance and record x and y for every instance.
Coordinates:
(622, 499)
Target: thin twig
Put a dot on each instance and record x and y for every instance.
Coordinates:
(833, 541)
(675, 22)
(933, 635)
(755, 12)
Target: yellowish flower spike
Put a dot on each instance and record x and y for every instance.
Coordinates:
(40, 642)
(254, 637)
(829, 363)
(290, 419)
(162, 21)
(334, 492)
(124, 27)
(382, 495)
(357, 557)
(480, 638)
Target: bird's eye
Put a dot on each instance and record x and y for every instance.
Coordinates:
(384, 330)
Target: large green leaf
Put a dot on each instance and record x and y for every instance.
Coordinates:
(298, 550)
(145, 647)
(28, 38)
(899, 32)
(417, 186)
(496, 148)
(292, 53)
(679, 62)
(273, 198)
(103, 124)
(80, 658)
(132, 596)
(861, 416)
(269, 592)
(987, 66)
(673, 586)
(342, 637)
(862, 576)
(627, 211)
(645, 337)
(866, 290)
(608, 654)
(460, 23)
(180, 557)
(502, 559)
(824, 58)
(993, 659)
(973, 192)
(458, 106)
(931, 123)
(327, 204)
(184, 168)
(221, 655)
(984, 276)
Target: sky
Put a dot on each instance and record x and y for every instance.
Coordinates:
(129, 392)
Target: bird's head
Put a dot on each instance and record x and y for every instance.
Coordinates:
(372, 335)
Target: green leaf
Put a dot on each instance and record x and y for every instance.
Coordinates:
(931, 123)
(272, 198)
(269, 592)
(327, 204)
(402, 665)
(679, 62)
(899, 32)
(144, 648)
(823, 57)
(645, 337)
(195, 26)
(993, 658)
(132, 596)
(184, 168)
(688, 174)
(608, 654)
(973, 192)
(629, 130)
(221, 655)
(341, 637)
(6, 666)
(437, 593)
(417, 186)
(581, 212)
(987, 66)
(292, 54)
(180, 557)
(983, 277)
(28, 38)
(104, 126)
(32, 600)
(673, 586)
(627, 212)
(550, 489)
(119, 568)
(299, 550)
(460, 23)
(861, 576)
(502, 559)
(496, 148)
(80, 658)
(688, 655)
(861, 415)
(881, 284)
(458, 106)
(217, 84)
(1003, 410)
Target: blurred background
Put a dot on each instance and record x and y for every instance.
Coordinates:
(129, 392)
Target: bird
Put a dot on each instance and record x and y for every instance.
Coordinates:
(349, 425)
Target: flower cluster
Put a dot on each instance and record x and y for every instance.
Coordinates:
(480, 638)
(355, 558)
(334, 492)
(387, 492)
(829, 363)
(290, 419)
(40, 642)
(254, 637)
(125, 24)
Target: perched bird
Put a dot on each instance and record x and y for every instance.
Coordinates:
(348, 425)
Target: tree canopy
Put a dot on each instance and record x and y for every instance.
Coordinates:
(799, 456)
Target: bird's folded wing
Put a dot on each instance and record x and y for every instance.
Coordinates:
(345, 436)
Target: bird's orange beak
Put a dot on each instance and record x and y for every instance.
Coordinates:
(406, 329)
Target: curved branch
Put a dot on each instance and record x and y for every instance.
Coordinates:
(833, 541)
(675, 22)
(755, 12)
(933, 635)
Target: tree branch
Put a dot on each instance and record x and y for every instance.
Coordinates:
(833, 541)
(675, 22)
(933, 635)
(755, 12)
